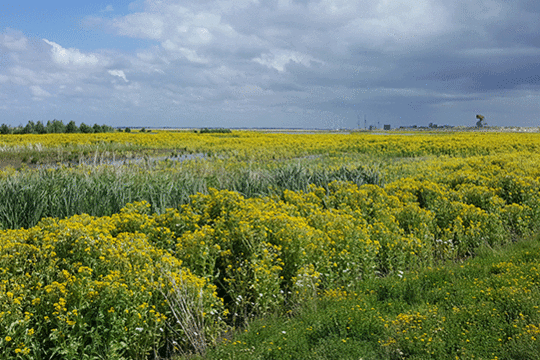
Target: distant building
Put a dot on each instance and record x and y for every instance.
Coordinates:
(386, 127)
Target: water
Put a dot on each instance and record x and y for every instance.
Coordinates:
(139, 160)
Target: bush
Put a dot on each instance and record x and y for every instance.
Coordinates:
(76, 290)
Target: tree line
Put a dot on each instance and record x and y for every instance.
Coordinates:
(213, 131)
(54, 127)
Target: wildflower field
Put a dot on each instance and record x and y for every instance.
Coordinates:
(270, 246)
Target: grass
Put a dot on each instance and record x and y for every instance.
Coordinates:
(32, 194)
(484, 308)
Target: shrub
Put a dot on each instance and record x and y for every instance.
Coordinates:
(69, 288)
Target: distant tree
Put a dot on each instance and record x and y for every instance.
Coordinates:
(143, 130)
(97, 128)
(107, 128)
(40, 128)
(29, 128)
(71, 127)
(5, 129)
(480, 122)
(85, 129)
(56, 127)
(214, 130)
(128, 130)
(18, 130)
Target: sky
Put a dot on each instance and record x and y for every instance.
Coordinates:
(270, 64)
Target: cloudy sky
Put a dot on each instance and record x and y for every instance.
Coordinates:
(270, 63)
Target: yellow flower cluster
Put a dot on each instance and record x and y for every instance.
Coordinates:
(65, 284)
(260, 251)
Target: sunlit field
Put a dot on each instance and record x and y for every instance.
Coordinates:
(249, 245)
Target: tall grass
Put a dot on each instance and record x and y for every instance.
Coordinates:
(30, 195)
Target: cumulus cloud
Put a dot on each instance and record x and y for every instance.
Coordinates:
(13, 40)
(38, 92)
(140, 25)
(187, 53)
(71, 56)
(118, 73)
(277, 59)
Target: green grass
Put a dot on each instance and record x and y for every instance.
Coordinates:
(29, 195)
(484, 308)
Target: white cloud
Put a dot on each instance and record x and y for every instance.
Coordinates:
(277, 59)
(119, 73)
(38, 92)
(22, 75)
(189, 54)
(108, 8)
(15, 43)
(224, 75)
(140, 25)
(71, 56)
(128, 94)
(179, 27)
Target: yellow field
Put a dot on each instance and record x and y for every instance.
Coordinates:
(254, 145)
(89, 284)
